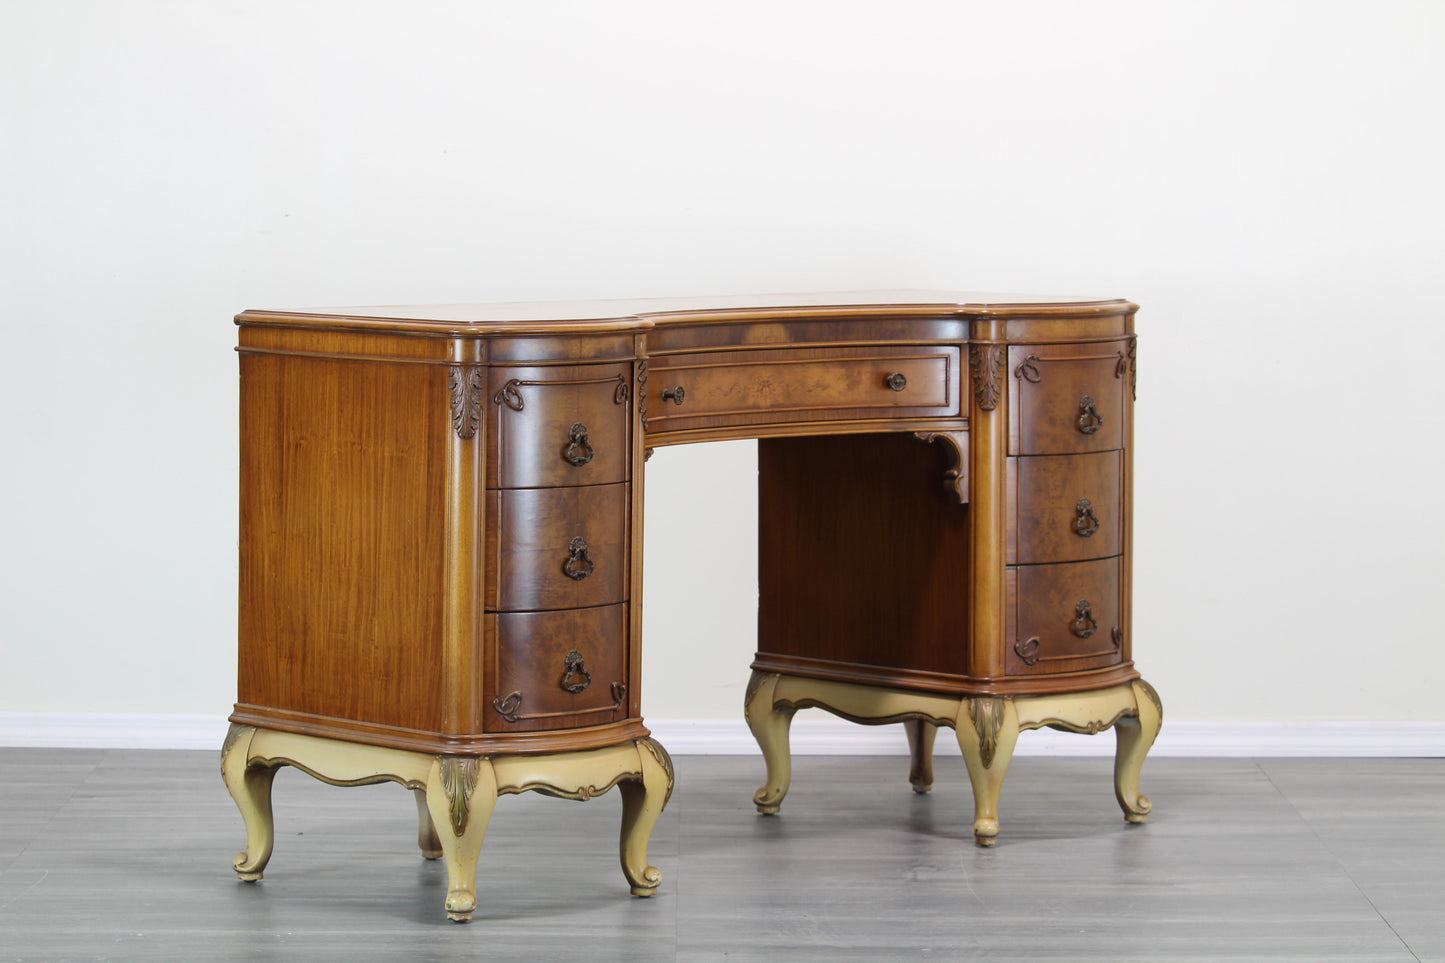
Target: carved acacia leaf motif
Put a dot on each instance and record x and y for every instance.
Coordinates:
(987, 718)
(986, 363)
(459, 780)
(465, 385)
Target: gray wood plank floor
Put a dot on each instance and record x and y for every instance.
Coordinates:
(109, 854)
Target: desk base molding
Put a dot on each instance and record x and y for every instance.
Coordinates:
(987, 728)
(454, 792)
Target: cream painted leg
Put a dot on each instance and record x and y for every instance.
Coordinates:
(461, 792)
(1135, 737)
(250, 787)
(642, 802)
(921, 735)
(426, 831)
(987, 731)
(769, 725)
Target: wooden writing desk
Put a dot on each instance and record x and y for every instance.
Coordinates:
(441, 532)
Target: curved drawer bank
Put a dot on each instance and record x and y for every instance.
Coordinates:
(441, 531)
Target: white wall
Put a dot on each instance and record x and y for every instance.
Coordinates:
(1263, 177)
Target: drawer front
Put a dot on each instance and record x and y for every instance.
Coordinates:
(1067, 617)
(557, 670)
(1068, 507)
(802, 384)
(554, 548)
(1067, 398)
(559, 426)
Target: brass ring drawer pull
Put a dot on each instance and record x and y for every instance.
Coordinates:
(896, 381)
(578, 452)
(1084, 624)
(1086, 523)
(578, 566)
(573, 669)
(1090, 420)
(675, 395)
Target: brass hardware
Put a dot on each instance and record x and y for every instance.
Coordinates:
(578, 566)
(1087, 523)
(507, 708)
(896, 381)
(1084, 624)
(578, 452)
(675, 395)
(1029, 371)
(1090, 420)
(1028, 650)
(572, 666)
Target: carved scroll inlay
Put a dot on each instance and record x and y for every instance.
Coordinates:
(1133, 369)
(507, 708)
(619, 693)
(466, 384)
(986, 363)
(987, 718)
(510, 395)
(622, 392)
(232, 734)
(1153, 696)
(459, 779)
(1028, 650)
(1028, 370)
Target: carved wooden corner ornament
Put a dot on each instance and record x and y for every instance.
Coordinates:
(955, 477)
(466, 384)
(986, 364)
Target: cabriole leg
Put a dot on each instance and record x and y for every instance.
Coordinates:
(461, 792)
(426, 830)
(921, 735)
(987, 731)
(250, 788)
(1135, 737)
(643, 800)
(769, 726)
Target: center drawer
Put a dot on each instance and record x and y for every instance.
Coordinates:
(557, 548)
(802, 384)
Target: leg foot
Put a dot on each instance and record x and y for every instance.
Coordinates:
(1135, 737)
(426, 831)
(250, 788)
(643, 800)
(987, 732)
(920, 748)
(769, 726)
(461, 792)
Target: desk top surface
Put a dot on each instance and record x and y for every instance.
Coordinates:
(649, 311)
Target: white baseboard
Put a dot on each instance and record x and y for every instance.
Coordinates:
(813, 734)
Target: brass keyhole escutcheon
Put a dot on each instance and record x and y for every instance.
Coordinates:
(1086, 523)
(572, 670)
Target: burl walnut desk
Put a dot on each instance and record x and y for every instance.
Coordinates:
(441, 533)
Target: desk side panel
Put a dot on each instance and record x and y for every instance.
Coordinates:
(342, 539)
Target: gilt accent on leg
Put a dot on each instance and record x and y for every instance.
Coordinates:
(643, 800)
(987, 732)
(426, 831)
(769, 725)
(921, 735)
(250, 788)
(1135, 737)
(461, 792)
